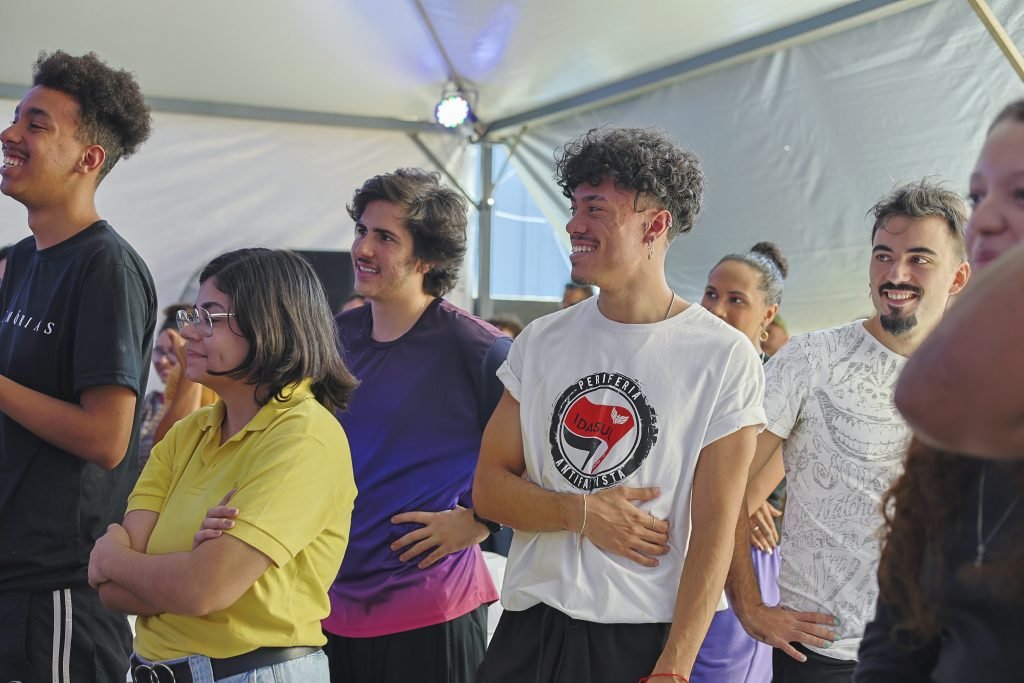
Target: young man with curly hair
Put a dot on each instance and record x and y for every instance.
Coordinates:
(77, 311)
(410, 601)
(620, 447)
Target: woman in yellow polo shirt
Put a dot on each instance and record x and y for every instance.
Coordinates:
(225, 605)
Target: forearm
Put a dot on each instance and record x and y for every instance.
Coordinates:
(102, 441)
(764, 482)
(700, 587)
(162, 582)
(741, 585)
(510, 500)
(117, 598)
(186, 400)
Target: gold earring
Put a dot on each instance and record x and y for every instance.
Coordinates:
(650, 249)
(764, 334)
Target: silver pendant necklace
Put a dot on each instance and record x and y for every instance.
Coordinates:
(983, 542)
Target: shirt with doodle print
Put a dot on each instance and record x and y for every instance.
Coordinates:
(829, 394)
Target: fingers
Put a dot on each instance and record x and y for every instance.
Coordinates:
(433, 557)
(223, 512)
(651, 550)
(413, 518)
(205, 535)
(410, 538)
(418, 549)
(773, 511)
(634, 493)
(640, 558)
(791, 651)
(227, 497)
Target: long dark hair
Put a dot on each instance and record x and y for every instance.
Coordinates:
(280, 307)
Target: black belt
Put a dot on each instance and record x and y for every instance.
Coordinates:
(180, 672)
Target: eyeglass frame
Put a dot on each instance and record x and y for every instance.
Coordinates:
(197, 321)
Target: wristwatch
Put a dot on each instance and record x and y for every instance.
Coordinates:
(492, 527)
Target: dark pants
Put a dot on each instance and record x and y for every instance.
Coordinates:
(817, 668)
(543, 644)
(61, 636)
(443, 653)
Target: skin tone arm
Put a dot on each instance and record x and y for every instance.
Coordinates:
(501, 494)
(946, 369)
(776, 626)
(139, 525)
(187, 394)
(763, 533)
(96, 430)
(717, 501)
(229, 567)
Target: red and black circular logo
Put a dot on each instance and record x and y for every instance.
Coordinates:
(602, 429)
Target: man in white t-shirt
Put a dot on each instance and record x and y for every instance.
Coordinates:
(619, 450)
(829, 399)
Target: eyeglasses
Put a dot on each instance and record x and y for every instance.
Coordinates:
(200, 319)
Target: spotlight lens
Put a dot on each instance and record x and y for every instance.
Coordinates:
(452, 111)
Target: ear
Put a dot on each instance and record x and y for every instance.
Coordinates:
(659, 225)
(423, 267)
(960, 278)
(92, 159)
(769, 316)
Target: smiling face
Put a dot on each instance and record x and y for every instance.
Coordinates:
(997, 193)
(915, 268)
(382, 255)
(164, 359)
(733, 293)
(607, 234)
(223, 351)
(42, 155)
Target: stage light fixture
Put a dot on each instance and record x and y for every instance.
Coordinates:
(453, 110)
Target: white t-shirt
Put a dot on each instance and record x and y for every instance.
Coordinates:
(829, 394)
(602, 404)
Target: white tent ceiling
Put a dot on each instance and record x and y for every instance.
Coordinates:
(377, 58)
(264, 111)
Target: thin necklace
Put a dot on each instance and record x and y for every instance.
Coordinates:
(982, 543)
(669, 309)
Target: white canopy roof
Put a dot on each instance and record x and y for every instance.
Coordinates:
(268, 114)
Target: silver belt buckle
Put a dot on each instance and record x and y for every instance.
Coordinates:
(152, 673)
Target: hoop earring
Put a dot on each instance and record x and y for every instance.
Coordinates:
(764, 334)
(650, 249)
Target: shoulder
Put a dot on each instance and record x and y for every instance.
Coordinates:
(352, 324)
(470, 333)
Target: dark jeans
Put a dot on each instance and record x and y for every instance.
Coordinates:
(817, 668)
(443, 653)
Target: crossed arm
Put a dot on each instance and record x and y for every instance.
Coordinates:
(129, 580)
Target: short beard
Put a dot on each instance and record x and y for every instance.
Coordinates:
(583, 282)
(898, 325)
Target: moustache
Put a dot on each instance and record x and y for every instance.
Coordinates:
(914, 289)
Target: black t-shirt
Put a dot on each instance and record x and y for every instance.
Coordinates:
(74, 316)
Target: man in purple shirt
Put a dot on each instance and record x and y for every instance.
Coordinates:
(410, 600)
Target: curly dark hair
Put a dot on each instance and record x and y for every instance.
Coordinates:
(646, 161)
(766, 258)
(924, 199)
(281, 309)
(918, 509)
(112, 111)
(434, 214)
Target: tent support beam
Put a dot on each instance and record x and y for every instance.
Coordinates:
(999, 35)
(622, 89)
(484, 304)
(427, 152)
(243, 111)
